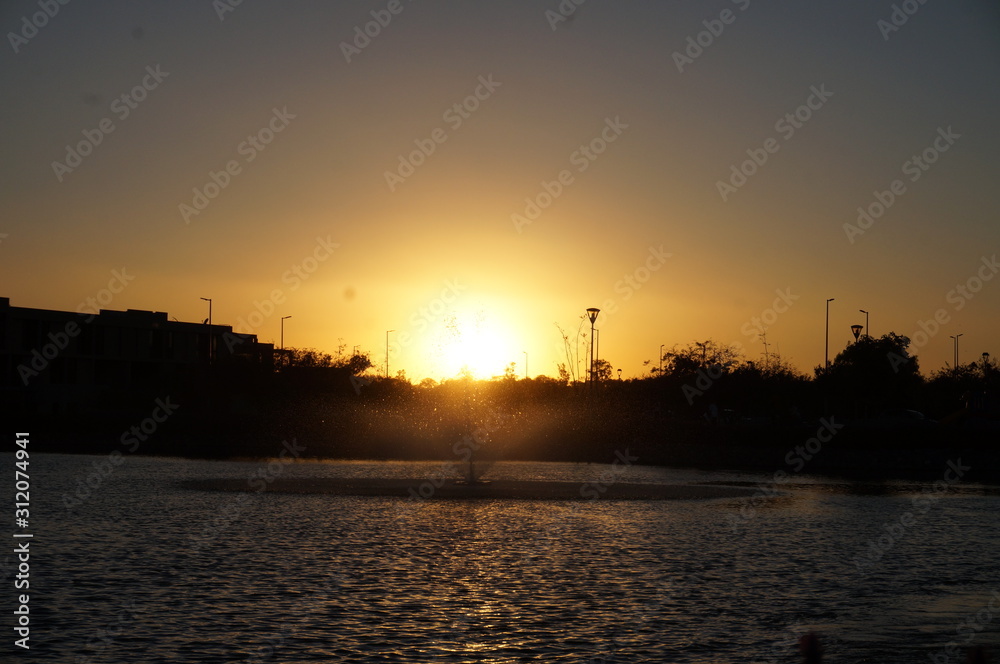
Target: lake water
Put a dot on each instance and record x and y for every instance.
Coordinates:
(141, 569)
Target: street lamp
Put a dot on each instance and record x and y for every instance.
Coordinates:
(526, 365)
(592, 314)
(283, 331)
(597, 350)
(955, 337)
(986, 363)
(868, 330)
(660, 372)
(619, 375)
(856, 329)
(829, 300)
(211, 339)
(387, 352)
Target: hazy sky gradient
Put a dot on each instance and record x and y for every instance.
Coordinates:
(655, 185)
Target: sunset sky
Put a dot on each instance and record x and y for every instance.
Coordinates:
(622, 131)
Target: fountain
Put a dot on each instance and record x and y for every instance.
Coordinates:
(472, 465)
(472, 443)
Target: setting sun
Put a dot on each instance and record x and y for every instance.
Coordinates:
(501, 331)
(474, 341)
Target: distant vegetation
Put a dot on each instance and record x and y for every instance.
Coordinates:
(705, 396)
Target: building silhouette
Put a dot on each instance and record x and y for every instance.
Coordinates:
(62, 362)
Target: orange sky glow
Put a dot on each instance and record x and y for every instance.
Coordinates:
(475, 177)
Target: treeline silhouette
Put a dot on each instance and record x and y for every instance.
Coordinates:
(708, 406)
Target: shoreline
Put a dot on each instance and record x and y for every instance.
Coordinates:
(852, 452)
(491, 490)
(872, 464)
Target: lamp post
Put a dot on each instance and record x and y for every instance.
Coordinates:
(856, 330)
(619, 375)
(387, 352)
(660, 372)
(986, 364)
(828, 301)
(597, 351)
(209, 300)
(283, 331)
(868, 330)
(955, 337)
(211, 339)
(592, 314)
(578, 328)
(526, 365)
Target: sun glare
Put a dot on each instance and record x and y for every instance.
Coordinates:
(474, 342)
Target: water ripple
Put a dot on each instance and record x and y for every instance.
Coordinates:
(145, 570)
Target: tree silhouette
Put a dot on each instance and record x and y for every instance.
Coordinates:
(697, 355)
(602, 370)
(956, 392)
(873, 374)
